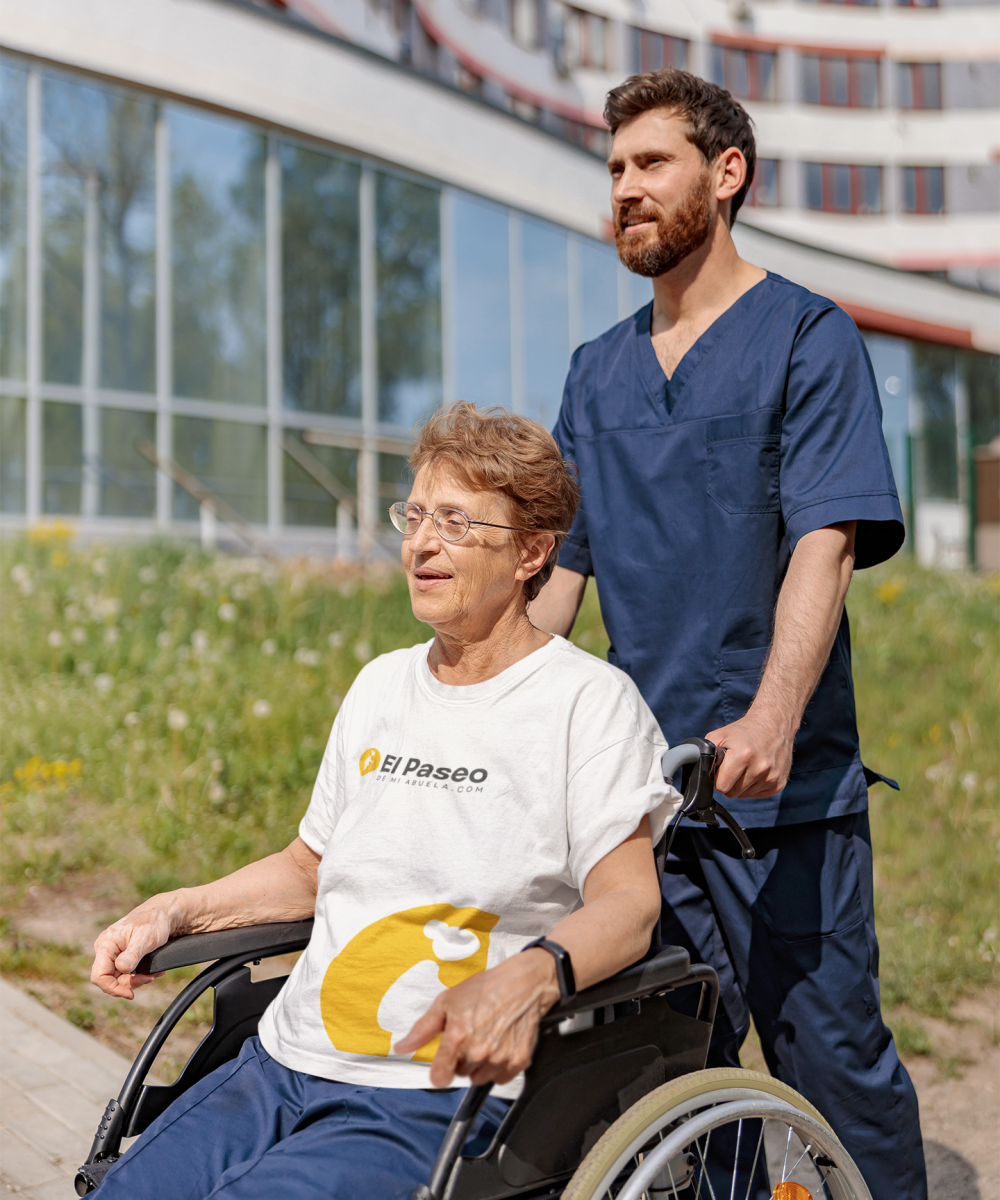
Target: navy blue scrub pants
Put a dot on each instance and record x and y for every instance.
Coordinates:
(791, 934)
(253, 1129)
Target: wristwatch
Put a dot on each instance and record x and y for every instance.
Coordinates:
(564, 965)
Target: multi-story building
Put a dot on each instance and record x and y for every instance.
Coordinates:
(255, 252)
(878, 122)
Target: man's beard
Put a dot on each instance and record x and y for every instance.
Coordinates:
(675, 236)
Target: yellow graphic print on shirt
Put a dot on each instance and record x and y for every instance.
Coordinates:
(371, 962)
(369, 760)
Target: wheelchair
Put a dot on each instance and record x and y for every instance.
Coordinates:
(616, 1103)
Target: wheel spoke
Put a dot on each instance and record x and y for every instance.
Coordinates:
(756, 1155)
(800, 1158)
(788, 1142)
(736, 1159)
(704, 1170)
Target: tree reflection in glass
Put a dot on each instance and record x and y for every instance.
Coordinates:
(62, 457)
(408, 283)
(217, 209)
(13, 453)
(321, 267)
(13, 221)
(98, 151)
(230, 458)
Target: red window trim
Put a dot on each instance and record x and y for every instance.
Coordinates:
(856, 206)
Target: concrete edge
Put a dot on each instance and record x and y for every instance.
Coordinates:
(59, 1030)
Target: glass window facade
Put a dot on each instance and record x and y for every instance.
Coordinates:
(13, 221)
(320, 284)
(217, 239)
(408, 298)
(127, 478)
(13, 446)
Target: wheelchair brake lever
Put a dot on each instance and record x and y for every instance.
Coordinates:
(698, 789)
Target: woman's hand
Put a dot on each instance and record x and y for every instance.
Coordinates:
(489, 1023)
(119, 948)
(281, 887)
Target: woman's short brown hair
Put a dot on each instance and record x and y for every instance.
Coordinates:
(499, 451)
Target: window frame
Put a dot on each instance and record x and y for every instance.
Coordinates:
(853, 60)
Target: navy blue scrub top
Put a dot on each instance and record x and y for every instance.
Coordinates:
(695, 493)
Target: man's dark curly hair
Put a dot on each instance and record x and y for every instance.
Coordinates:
(715, 120)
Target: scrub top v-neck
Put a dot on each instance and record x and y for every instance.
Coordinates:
(695, 491)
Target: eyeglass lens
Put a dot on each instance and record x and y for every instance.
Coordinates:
(451, 524)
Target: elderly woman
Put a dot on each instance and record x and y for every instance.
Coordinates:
(483, 792)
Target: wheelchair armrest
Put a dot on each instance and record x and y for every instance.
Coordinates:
(251, 941)
(657, 972)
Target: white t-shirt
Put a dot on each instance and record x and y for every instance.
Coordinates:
(455, 824)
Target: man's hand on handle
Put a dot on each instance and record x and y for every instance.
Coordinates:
(757, 760)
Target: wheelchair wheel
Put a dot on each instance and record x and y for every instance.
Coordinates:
(762, 1129)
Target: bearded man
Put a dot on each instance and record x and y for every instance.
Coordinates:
(734, 474)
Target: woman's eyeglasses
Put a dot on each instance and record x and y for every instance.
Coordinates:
(451, 523)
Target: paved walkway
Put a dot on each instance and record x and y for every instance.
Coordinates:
(55, 1081)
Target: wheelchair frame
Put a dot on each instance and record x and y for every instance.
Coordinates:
(598, 1053)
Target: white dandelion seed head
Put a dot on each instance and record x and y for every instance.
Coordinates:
(111, 635)
(228, 612)
(147, 574)
(99, 566)
(199, 641)
(363, 652)
(216, 792)
(268, 646)
(335, 640)
(78, 636)
(177, 719)
(261, 708)
(104, 683)
(55, 638)
(131, 719)
(307, 658)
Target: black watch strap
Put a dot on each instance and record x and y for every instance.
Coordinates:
(564, 965)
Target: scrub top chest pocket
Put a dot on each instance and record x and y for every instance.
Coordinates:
(744, 457)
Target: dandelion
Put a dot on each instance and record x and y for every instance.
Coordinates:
(78, 636)
(217, 765)
(55, 639)
(163, 639)
(59, 558)
(228, 612)
(99, 566)
(72, 612)
(131, 719)
(891, 590)
(308, 658)
(177, 719)
(216, 792)
(147, 574)
(104, 683)
(335, 640)
(20, 574)
(111, 635)
(268, 646)
(85, 668)
(363, 652)
(199, 641)
(261, 708)
(108, 607)
(209, 726)
(347, 588)
(970, 781)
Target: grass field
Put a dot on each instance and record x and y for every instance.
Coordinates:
(164, 713)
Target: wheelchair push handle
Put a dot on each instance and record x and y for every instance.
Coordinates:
(698, 760)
